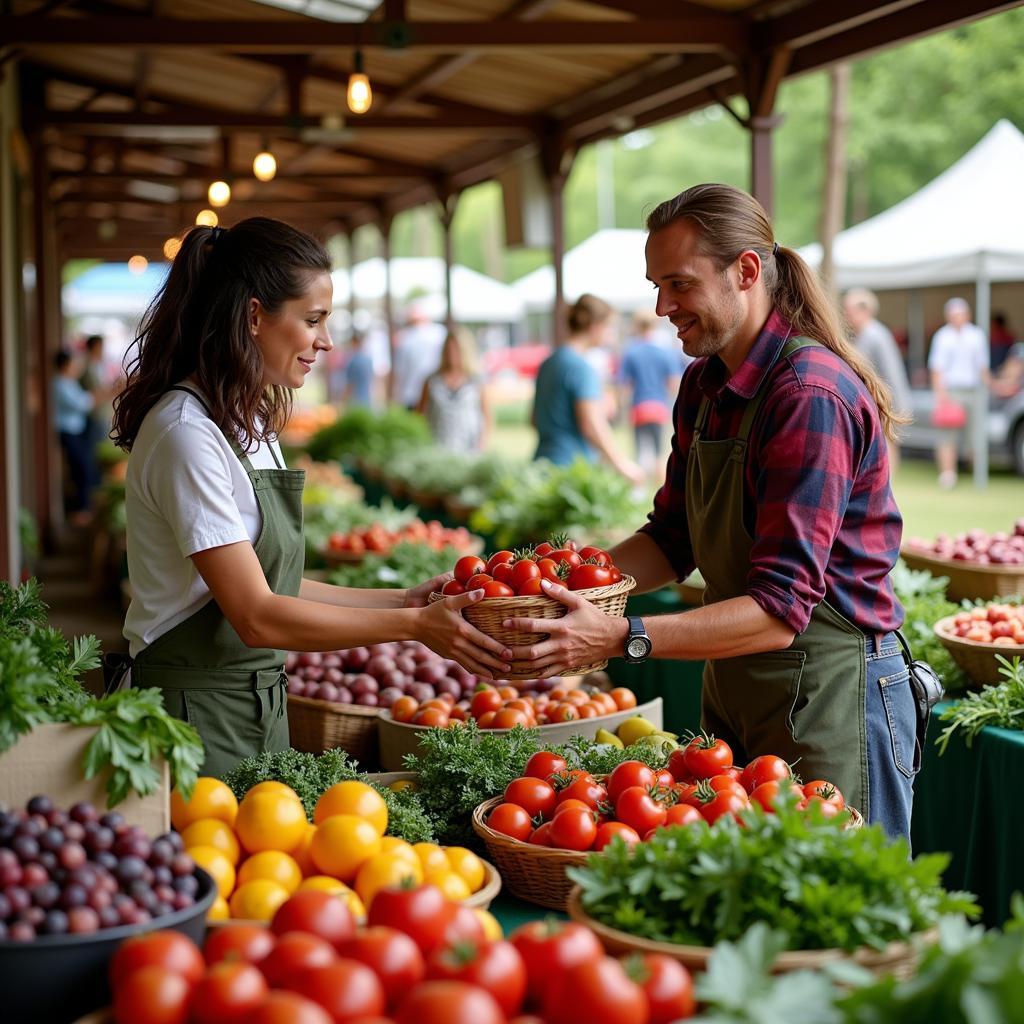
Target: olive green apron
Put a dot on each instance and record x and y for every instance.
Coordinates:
(806, 703)
(235, 696)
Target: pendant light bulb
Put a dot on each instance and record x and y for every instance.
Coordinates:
(360, 95)
(219, 193)
(264, 166)
(206, 219)
(172, 247)
(138, 264)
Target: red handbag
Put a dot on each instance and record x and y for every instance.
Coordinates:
(949, 415)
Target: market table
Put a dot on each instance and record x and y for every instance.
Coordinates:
(966, 802)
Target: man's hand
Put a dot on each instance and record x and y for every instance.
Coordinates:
(585, 634)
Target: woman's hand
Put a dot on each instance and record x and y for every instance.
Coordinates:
(450, 635)
(584, 635)
(418, 596)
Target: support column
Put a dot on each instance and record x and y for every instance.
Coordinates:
(916, 359)
(353, 301)
(764, 75)
(384, 220)
(447, 203)
(979, 427)
(557, 159)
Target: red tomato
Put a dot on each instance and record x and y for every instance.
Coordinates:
(549, 948)
(683, 814)
(345, 989)
(510, 820)
(610, 829)
(497, 558)
(152, 995)
(766, 768)
(316, 912)
(768, 793)
(597, 990)
(508, 718)
(541, 836)
(827, 807)
(530, 588)
(688, 793)
(503, 572)
(169, 950)
(549, 570)
(288, 1008)
(238, 942)
(535, 796)
(523, 570)
(639, 810)
(467, 566)
(495, 967)
(677, 765)
(404, 708)
(664, 778)
(294, 953)
(592, 793)
(449, 1002)
(573, 829)
(453, 588)
(724, 803)
(497, 589)
(598, 554)
(392, 956)
(462, 925)
(626, 775)
(542, 549)
(422, 913)
(667, 984)
(484, 701)
(586, 577)
(435, 718)
(705, 756)
(571, 802)
(565, 555)
(829, 793)
(726, 783)
(227, 993)
(477, 581)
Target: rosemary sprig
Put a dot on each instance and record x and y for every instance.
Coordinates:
(1001, 706)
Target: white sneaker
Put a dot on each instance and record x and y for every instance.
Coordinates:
(947, 480)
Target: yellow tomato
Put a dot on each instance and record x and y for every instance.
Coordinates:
(301, 852)
(342, 844)
(356, 798)
(273, 865)
(217, 866)
(467, 864)
(212, 832)
(273, 787)
(270, 821)
(385, 871)
(258, 900)
(210, 798)
(326, 884)
(400, 848)
(431, 856)
(403, 784)
(451, 884)
(219, 910)
(491, 926)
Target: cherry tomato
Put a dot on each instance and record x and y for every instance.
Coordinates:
(596, 990)
(498, 589)
(728, 802)
(827, 792)
(228, 992)
(551, 947)
(766, 768)
(563, 713)
(624, 697)
(239, 942)
(288, 1008)
(628, 774)
(345, 989)
(497, 558)
(573, 829)
(169, 950)
(496, 967)
(610, 829)
(667, 984)
(705, 756)
(587, 577)
(536, 796)
(639, 810)
(477, 581)
(592, 793)
(449, 1002)
(392, 956)
(468, 566)
(422, 913)
(453, 588)
(292, 954)
(510, 820)
(152, 995)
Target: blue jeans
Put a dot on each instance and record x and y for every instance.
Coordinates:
(893, 757)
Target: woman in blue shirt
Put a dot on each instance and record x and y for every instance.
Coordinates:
(568, 410)
(72, 405)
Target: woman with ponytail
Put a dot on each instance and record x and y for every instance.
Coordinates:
(215, 544)
(778, 491)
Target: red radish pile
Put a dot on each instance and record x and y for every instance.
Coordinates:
(379, 539)
(977, 546)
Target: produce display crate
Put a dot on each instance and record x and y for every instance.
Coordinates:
(978, 660)
(400, 738)
(489, 614)
(318, 725)
(968, 581)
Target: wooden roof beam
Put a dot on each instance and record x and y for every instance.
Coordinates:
(313, 181)
(824, 18)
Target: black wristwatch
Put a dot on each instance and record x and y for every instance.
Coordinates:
(638, 643)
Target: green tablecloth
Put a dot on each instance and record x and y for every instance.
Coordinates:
(966, 802)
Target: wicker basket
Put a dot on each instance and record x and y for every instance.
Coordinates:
(968, 581)
(533, 873)
(978, 660)
(319, 725)
(898, 958)
(489, 614)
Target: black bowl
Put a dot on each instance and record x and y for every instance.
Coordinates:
(59, 978)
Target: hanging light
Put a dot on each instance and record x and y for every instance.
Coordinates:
(360, 95)
(219, 193)
(264, 165)
(171, 247)
(137, 264)
(207, 219)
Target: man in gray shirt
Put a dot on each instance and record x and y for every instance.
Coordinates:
(875, 341)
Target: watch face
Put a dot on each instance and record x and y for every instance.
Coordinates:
(638, 647)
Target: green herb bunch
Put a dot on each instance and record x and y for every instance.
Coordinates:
(361, 433)
(824, 886)
(1001, 706)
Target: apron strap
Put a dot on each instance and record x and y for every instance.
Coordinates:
(790, 346)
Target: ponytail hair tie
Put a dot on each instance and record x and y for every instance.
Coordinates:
(775, 245)
(216, 234)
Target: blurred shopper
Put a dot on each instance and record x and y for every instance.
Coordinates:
(454, 400)
(568, 408)
(358, 374)
(417, 356)
(958, 363)
(875, 342)
(98, 380)
(649, 376)
(1010, 378)
(72, 406)
(1001, 339)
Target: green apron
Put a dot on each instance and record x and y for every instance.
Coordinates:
(235, 696)
(805, 703)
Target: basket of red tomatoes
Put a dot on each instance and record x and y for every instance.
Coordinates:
(512, 586)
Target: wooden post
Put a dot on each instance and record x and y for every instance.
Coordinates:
(833, 205)
(765, 73)
(447, 203)
(384, 219)
(979, 421)
(557, 159)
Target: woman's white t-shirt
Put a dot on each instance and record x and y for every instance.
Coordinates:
(185, 491)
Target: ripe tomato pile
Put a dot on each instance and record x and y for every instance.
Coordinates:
(519, 573)
(506, 706)
(553, 805)
(998, 624)
(421, 960)
(379, 539)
